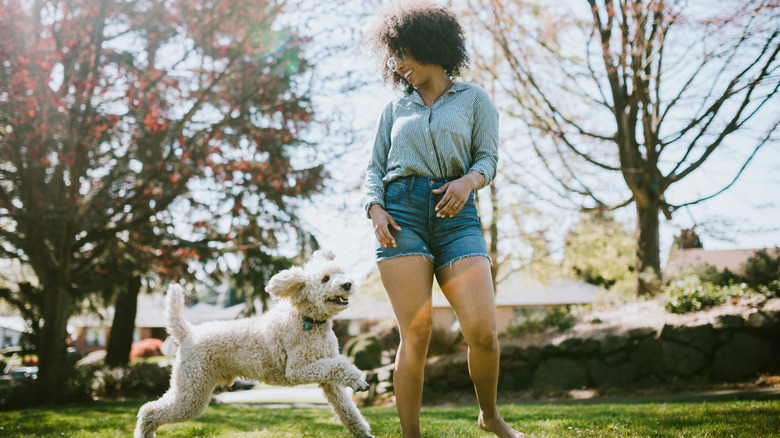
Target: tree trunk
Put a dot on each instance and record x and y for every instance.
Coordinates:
(648, 260)
(493, 250)
(120, 338)
(52, 347)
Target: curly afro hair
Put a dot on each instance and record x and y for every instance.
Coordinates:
(430, 32)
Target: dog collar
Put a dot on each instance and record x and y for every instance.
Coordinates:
(307, 323)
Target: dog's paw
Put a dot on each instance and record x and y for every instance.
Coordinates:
(360, 385)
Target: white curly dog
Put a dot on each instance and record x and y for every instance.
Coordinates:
(291, 344)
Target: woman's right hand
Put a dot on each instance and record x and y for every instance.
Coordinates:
(382, 222)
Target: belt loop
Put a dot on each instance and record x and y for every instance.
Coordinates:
(411, 185)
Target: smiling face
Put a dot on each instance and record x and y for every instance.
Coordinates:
(414, 72)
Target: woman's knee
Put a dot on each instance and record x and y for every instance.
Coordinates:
(418, 335)
(483, 338)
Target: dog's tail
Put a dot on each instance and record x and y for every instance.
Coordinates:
(178, 327)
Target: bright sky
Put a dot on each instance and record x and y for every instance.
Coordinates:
(745, 216)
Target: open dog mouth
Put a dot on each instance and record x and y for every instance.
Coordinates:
(341, 301)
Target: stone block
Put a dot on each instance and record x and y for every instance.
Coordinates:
(682, 360)
(700, 337)
(729, 322)
(763, 322)
(560, 372)
(579, 347)
(604, 375)
(641, 332)
(515, 379)
(744, 356)
(612, 343)
(615, 358)
(649, 354)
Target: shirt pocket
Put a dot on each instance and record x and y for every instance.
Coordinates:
(455, 129)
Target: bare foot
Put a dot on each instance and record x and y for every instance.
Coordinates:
(498, 426)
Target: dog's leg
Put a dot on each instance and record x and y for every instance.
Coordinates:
(331, 370)
(345, 410)
(174, 406)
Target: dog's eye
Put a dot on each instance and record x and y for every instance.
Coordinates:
(326, 278)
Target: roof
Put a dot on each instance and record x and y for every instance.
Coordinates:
(520, 290)
(15, 323)
(733, 259)
(150, 313)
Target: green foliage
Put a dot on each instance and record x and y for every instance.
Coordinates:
(759, 274)
(690, 294)
(364, 351)
(762, 269)
(140, 379)
(559, 317)
(599, 251)
(444, 342)
(257, 268)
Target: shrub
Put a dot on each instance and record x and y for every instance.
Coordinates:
(444, 342)
(141, 379)
(559, 317)
(691, 294)
(365, 352)
(761, 272)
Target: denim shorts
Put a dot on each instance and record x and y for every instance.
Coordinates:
(444, 240)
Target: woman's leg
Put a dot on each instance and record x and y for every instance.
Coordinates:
(408, 282)
(469, 288)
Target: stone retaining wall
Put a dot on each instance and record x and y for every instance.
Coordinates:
(733, 348)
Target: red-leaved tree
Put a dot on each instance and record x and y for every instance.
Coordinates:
(117, 116)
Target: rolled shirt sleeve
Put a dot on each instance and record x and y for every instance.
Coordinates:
(484, 138)
(377, 166)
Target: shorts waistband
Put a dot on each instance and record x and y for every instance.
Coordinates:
(419, 179)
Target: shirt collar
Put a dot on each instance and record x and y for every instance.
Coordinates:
(415, 97)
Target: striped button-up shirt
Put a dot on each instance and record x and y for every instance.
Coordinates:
(455, 136)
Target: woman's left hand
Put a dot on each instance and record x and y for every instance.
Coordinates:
(456, 193)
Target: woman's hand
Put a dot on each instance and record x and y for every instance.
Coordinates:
(456, 193)
(382, 222)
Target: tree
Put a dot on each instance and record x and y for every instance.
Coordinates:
(115, 113)
(644, 92)
(599, 251)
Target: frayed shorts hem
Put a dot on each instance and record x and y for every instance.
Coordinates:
(395, 256)
(476, 254)
(432, 260)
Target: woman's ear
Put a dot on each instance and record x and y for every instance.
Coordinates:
(287, 283)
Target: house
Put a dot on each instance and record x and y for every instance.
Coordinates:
(89, 332)
(521, 291)
(518, 291)
(731, 259)
(688, 252)
(11, 330)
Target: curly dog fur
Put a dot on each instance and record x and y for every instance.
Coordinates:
(291, 344)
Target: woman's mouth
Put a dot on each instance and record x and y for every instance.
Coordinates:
(408, 74)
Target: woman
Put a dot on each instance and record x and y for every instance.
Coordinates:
(434, 146)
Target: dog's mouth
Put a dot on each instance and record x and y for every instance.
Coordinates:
(339, 300)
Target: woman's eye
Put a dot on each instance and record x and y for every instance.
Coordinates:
(325, 278)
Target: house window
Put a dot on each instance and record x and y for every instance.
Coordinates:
(96, 337)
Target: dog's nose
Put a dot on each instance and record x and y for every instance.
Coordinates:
(346, 286)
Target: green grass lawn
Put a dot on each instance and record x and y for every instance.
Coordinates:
(675, 419)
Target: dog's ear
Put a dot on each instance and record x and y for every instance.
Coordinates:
(287, 283)
(324, 254)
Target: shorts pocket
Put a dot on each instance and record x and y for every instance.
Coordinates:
(396, 190)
